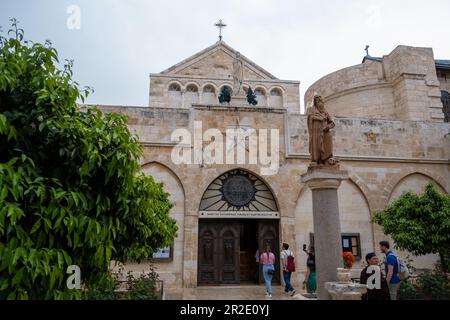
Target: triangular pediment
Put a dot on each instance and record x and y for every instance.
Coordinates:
(216, 61)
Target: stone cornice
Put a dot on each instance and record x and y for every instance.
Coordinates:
(194, 77)
(219, 107)
(374, 159)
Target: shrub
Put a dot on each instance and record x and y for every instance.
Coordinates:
(434, 285)
(143, 287)
(102, 290)
(429, 285)
(409, 291)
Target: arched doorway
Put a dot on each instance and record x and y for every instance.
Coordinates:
(238, 217)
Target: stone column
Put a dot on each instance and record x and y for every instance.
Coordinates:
(324, 182)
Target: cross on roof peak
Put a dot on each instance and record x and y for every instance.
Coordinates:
(220, 25)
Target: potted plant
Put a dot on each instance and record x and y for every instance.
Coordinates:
(349, 260)
(344, 274)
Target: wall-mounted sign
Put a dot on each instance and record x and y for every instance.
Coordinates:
(239, 214)
(165, 254)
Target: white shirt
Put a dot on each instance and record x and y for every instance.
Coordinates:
(286, 253)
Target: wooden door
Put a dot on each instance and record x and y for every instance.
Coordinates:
(268, 234)
(229, 264)
(218, 253)
(208, 254)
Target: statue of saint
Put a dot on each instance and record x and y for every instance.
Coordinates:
(320, 139)
(238, 74)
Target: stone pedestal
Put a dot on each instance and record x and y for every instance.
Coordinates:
(324, 182)
(345, 291)
(239, 101)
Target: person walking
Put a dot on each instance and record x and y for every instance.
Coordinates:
(381, 293)
(267, 259)
(287, 262)
(310, 283)
(391, 267)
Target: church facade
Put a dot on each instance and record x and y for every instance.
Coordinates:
(392, 135)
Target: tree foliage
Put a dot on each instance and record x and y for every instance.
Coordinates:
(71, 189)
(251, 97)
(225, 95)
(419, 223)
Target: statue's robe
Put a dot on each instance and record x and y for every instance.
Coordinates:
(238, 76)
(320, 142)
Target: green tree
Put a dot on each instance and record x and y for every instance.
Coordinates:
(419, 223)
(251, 97)
(71, 188)
(225, 95)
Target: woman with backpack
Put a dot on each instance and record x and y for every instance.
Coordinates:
(267, 259)
(287, 261)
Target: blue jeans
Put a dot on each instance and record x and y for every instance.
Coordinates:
(287, 280)
(268, 277)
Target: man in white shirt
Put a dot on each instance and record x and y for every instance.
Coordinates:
(285, 254)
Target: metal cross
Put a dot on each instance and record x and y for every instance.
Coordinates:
(220, 25)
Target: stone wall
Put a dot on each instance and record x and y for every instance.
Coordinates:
(383, 157)
(152, 125)
(161, 97)
(403, 86)
(378, 139)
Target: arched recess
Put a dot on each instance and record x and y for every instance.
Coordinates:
(363, 188)
(175, 96)
(395, 179)
(354, 217)
(238, 190)
(415, 183)
(228, 85)
(276, 97)
(261, 97)
(171, 272)
(191, 95)
(209, 94)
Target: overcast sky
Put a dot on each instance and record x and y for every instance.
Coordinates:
(118, 43)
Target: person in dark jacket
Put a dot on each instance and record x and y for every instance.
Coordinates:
(374, 294)
(310, 283)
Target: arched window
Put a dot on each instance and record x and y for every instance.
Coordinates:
(230, 90)
(238, 190)
(276, 98)
(192, 88)
(445, 98)
(276, 92)
(209, 95)
(175, 99)
(260, 92)
(208, 89)
(191, 95)
(174, 87)
(261, 96)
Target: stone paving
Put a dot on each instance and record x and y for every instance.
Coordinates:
(250, 292)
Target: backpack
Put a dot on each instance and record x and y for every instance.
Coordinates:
(403, 271)
(290, 265)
